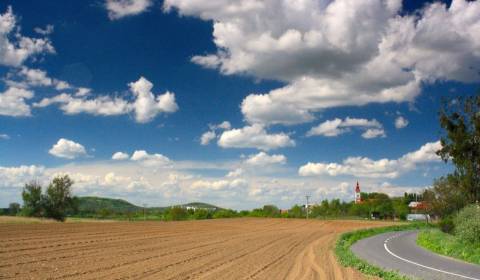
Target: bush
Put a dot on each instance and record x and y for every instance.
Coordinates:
(202, 214)
(177, 213)
(224, 214)
(446, 224)
(467, 224)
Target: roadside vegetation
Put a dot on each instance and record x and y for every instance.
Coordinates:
(454, 198)
(463, 241)
(347, 258)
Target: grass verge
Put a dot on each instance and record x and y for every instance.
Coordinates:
(446, 244)
(347, 258)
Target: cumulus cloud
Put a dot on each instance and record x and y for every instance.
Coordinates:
(337, 53)
(254, 136)
(18, 176)
(145, 105)
(15, 48)
(335, 127)
(400, 122)
(120, 156)
(207, 137)
(369, 168)
(13, 102)
(263, 159)
(121, 8)
(235, 173)
(210, 135)
(374, 133)
(151, 160)
(65, 148)
(4, 136)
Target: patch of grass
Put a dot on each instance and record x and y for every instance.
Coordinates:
(347, 258)
(448, 245)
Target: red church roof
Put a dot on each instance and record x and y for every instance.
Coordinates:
(357, 189)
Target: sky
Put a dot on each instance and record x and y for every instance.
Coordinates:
(235, 103)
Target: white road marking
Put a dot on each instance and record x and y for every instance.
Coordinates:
(421, 265)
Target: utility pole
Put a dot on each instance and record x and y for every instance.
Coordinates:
(306, 206)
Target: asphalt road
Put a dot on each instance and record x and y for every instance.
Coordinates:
(398, 251)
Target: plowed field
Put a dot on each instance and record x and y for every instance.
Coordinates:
(211, 249)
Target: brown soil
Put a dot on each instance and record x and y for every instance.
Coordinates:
(211, 249)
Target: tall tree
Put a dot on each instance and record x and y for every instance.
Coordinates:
(32, 199)
(460, 119)
(58, 198)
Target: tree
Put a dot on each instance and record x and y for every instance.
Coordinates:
(177, 213)
(460, 118)
(270, 211)
(446, 197)
(58, 198)
(13, 208)
(296, 212)
(32, 199)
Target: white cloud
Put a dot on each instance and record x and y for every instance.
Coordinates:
(36, 77)
(335, 127)
(121, 8)
(254, 136)
(235, 173)
(151, 160)
(18, 176)
(4, 136)
(145, 106)
(65, 148)
(120, 156)
(223, 125)
(264, 159)
(374, 133)
(44, 31)
(12, 102)
(368, 168)
(99, 106)
(337, 53)
(15, 48)
(207, 137)
(400, 122)
(81, 92)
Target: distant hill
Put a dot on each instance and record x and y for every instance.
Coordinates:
(92, 204)
(200, 205)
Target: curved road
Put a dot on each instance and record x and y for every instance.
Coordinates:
(398, 251)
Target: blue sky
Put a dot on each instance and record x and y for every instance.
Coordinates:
(237, 103)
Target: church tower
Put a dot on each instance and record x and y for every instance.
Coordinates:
(358, 198)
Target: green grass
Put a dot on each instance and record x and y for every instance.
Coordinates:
(347, 258)
(448, 245)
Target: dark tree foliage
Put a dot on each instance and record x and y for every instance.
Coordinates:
(32, 199)
(446, 197)
(13, 208)
(460, 119)
(270, 211)
(58, 198)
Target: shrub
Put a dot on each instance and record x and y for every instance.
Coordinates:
(32, 199)
(467, 224)
(446, 224)
(202, 214)
(177, 213)
(224, 214)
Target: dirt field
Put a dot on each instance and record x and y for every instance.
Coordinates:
(211, 249)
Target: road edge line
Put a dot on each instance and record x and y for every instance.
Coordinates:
(421, 265)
